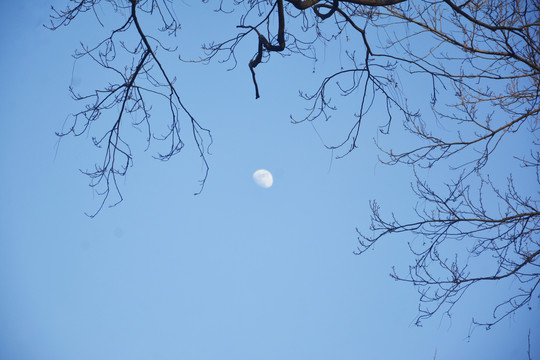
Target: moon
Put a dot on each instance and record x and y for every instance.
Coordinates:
(263, 178)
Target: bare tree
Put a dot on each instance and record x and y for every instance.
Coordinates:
(138, 75)
(481, 61)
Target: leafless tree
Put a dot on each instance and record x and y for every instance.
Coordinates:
(138, 75)
(481, 61)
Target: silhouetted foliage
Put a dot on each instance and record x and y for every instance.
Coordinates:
(478, 65)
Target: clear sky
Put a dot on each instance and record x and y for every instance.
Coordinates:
(237, 272)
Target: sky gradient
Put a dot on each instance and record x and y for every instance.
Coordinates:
(237, 272)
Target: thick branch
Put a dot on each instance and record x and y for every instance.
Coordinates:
(264, 44)
(305, 4)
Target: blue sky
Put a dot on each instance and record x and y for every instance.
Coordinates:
(237, 272)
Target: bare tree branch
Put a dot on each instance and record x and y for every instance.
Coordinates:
(464, 77)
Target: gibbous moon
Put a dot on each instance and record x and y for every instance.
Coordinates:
(263, 178)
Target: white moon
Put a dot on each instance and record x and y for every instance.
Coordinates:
(263, 178)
